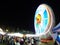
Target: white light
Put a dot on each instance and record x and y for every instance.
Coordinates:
(15, 34)
(32, 35)
(2, 33)
(18, 34)
(1, 30)
(59, 36)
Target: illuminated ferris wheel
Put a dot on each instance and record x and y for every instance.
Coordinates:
(43, 20)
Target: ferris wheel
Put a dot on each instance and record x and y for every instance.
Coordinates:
(44, 19)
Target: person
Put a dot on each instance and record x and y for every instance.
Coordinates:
(29, 42)
(22, 41)
(17, 42)
(32, 41)
(55, 43)
(12, 42)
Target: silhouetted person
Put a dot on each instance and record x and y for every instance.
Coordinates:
(55, 43)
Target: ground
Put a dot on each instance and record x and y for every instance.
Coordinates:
(2, 44)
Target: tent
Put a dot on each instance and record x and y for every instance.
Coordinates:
(18, 34)
(10, 34)
(56, 36)
(15, 34)
(2, 33)
(56, 28)
(1, 30)
(31, 35)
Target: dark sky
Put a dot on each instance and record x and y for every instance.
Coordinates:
(21, 13)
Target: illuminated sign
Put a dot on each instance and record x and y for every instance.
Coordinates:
(43, 20)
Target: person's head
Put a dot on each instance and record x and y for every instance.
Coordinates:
(17, 41)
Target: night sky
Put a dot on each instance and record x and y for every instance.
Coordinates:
(21, 13)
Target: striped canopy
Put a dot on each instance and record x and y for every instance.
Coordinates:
(56, 28)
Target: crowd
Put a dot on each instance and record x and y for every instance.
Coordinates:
(13, 40)
(8, 40)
